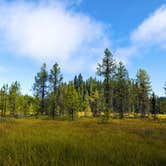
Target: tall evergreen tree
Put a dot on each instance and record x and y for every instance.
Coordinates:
(76, 83)
(55, 79)
(86, 104)
(40, 87)
(144, 85)
(72, 101)
(3, 99)
(96, 103)
(81, 86)
(154, 105)
(121, 94)
(62, 96)
(14, 93)
(107, 70)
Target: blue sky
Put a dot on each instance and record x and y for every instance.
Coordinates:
(75, 33)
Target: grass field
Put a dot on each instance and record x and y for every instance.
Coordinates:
(86, 142)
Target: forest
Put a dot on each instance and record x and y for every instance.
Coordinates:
(115, 94)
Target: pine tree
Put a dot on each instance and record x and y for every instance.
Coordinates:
(96, 103)
(14, 93)
(76, 83)
(154, 105)
(55, 79)
(41, 88)
(61, 101)
(144, 88)
(4, 97)
(72, 101)
(86, 105)
(122, 80)
(81, 87)
(107, 70)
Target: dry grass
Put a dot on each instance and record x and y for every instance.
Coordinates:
(84, 142)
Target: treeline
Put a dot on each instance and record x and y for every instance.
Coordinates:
(116, 93)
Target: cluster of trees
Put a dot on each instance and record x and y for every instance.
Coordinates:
(13, 103)
(115, 93)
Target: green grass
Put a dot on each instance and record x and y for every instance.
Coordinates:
(85, 142)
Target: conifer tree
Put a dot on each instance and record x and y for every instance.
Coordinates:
(41, 88)
(144, 88)
(86, 104)
(3, 99)
(107, 70)
(72, 101)
(96, 103)
(122, 80)
(154, 105)
(14, 93)
(55, 79)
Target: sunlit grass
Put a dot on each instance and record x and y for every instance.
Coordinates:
(84, 142)
(162, 116)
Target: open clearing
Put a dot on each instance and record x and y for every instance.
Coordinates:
(84, 142)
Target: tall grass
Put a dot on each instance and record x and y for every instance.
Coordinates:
(84, 142)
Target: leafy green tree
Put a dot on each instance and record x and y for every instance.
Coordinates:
(107, 70)
(40, 87)
(72, 101)
(55, 79)
(144, 85)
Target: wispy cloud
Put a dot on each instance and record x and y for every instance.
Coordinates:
(52, 32)
(150, 33)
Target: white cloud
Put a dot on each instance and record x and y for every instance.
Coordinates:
(124, 53)
(152, 30)
(51, 32)
(150, 33)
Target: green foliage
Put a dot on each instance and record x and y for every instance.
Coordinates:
(121, 89)
(107, 70)
(97, 102)
(40, 87)
(162, 105)
(144, 88)
(55, 79)
(86, 105)
(84, 142)
(14, 93)
(3, 99)
(72, 101)
(114, 94)
(153, 105)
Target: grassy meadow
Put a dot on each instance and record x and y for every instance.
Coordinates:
(28, 142)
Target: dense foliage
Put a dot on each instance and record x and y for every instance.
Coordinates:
(114, 94)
